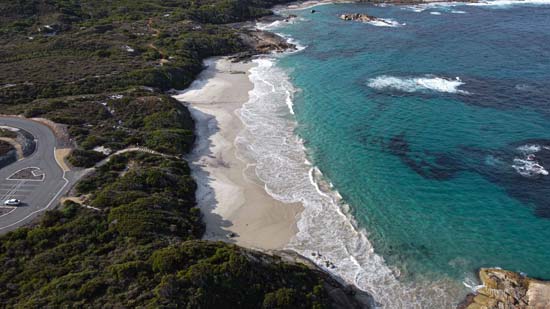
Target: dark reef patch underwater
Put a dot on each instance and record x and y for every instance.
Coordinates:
(518, 168)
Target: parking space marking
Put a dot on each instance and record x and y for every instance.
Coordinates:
(10, 191)
(21, 174)
(9, 212)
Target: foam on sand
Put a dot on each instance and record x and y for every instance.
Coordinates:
(326, 231)
(413, 84)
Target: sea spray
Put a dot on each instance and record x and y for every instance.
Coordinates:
(327, 232)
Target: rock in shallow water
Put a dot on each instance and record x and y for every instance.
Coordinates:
(507, 289)
(358, 17)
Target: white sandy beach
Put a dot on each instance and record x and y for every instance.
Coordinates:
(231, 201)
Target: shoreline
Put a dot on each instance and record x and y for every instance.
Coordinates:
(239, 208)
(236, 207)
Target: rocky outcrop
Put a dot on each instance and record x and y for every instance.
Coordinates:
(358, 17)
(262, 42)
(507, 289)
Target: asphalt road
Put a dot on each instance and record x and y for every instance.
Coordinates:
(37, 180)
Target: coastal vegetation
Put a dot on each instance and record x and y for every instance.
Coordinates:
(139, 246)
(7, 133)
(101, 68)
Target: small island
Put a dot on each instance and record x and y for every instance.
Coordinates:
(358, 17)
(364, 18)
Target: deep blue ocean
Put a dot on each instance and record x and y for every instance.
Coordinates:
(434, 127)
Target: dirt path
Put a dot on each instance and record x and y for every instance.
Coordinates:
(156, 33)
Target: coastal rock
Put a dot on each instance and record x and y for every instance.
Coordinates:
(358, 17)
(507, 289)
(262, 42)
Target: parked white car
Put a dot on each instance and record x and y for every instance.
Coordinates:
(12, 202)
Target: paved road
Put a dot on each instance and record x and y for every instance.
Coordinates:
(47, 183)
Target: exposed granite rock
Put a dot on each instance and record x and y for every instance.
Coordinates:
(262, 42)
(506, 289)
(358, 17)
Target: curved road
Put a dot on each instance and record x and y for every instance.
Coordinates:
(49, 182)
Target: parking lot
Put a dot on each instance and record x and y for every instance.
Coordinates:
(37, 180)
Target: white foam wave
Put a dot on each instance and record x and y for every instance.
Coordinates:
(528, 166)
(278, 24)
(414, 84)
(435, 13)
(418, 8)
(508, 3)
(327, 232)
(385, 22)
(298, 6)
(529, 148)
(472, 284)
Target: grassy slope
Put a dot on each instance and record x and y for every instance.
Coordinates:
(95, 65)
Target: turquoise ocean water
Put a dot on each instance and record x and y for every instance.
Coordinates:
(432, 126)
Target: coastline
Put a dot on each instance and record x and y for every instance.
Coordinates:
(247, 210)
(236, 207)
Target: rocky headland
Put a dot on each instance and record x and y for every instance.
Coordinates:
(264, 42)
(507, 289)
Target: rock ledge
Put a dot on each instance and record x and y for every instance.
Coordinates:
(507, 289)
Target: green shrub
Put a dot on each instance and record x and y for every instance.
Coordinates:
(85, 158)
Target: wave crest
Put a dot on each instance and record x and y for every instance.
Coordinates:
(415, 84)
(385, 22)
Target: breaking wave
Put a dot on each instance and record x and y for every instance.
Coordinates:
(507, 3)
(418, 8)
(528, 165)
(385, 22)
(414, 84)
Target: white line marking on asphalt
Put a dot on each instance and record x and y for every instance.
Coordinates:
(51, 201)
(9, 212)
(33, 169)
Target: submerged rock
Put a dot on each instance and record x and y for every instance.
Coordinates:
(507, 289)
